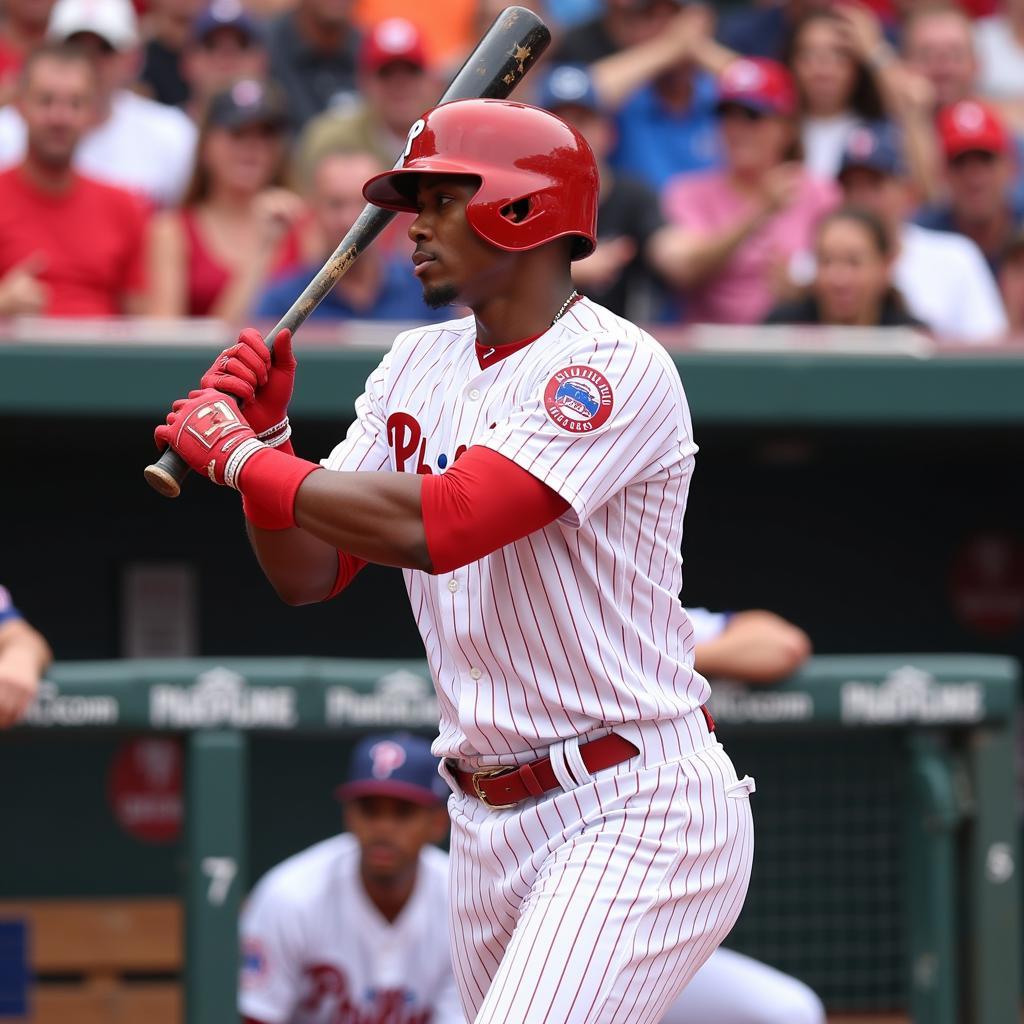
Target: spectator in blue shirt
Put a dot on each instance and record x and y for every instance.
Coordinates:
(379, 285)
(24, 657)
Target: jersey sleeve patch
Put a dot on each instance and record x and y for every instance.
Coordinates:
(254, 963)
(578, 399)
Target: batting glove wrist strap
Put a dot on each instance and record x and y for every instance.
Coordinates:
(269, 484)
(278, 436)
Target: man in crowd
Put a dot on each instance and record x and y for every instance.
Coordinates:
(978, 156)
(24, 657)
(354, 928)
(135, 142)
(22, 28)
(69, 245)
(1011, 282)
(396, 87)
(225, 46)
(942, 277)
(313, 51)
(379, 285)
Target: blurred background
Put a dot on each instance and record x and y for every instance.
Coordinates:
(817, 207)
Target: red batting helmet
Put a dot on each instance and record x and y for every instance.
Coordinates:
(520, 154)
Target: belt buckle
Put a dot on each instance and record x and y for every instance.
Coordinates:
(490, 773)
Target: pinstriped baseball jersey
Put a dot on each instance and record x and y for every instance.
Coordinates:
(576, 626)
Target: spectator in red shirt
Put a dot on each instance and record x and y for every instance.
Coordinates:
(69, 246)
(22, 28)
(237, 226)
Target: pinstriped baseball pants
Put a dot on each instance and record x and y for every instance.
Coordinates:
(597, 905)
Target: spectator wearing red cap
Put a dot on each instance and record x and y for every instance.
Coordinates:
(979, 165)
(237, 226)
(69, 245)
(313, 51)
(743, 224)
(396, 86)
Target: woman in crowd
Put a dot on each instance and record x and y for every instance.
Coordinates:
(237, 227)
(742, 225)
(853, 282)
(836, 88)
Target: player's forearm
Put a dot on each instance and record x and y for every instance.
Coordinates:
(301, 568)
(374, 516)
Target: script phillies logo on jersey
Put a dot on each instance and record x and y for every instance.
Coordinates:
(578, 399)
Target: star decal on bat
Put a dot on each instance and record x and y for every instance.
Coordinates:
(520, 55)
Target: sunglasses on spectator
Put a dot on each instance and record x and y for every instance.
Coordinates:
(747, 113)
(984, 156)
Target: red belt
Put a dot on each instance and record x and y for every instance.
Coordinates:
(502, 786)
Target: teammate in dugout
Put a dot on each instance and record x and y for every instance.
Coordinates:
(348, 930)
(601, 839)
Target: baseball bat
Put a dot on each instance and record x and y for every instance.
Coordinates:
(507, 51)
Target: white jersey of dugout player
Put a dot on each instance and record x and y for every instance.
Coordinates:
(315, 950)
(577, 627)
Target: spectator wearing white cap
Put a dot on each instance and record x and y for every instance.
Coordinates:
(313, 51)
(137, 143)
(397, 86)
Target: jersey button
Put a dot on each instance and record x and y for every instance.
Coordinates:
(474, 394)
(475, 673)
(453, 585)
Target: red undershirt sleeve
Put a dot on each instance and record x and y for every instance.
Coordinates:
(482, 503)
(348, 569)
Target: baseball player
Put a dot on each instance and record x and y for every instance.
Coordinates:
(24, 657)
(351, 930)
(528, 467)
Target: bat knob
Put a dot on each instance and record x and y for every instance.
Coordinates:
(161, 481)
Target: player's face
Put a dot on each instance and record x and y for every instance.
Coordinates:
(392, 832)
(452, 262)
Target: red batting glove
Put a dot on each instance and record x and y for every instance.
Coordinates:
(261, 381)
(211, 435)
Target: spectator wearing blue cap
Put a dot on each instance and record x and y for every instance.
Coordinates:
(622, 274)
(942, 276)
(355, 927)
(226, 45)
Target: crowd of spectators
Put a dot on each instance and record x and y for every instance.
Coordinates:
(799, 161)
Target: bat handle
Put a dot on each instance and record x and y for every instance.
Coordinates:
(167, 473)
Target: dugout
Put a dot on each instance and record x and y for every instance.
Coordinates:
(885, 874)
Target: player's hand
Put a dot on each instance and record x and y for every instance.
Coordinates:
(211, 435)
(262, 383)
(19, 681)
(21, 291)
